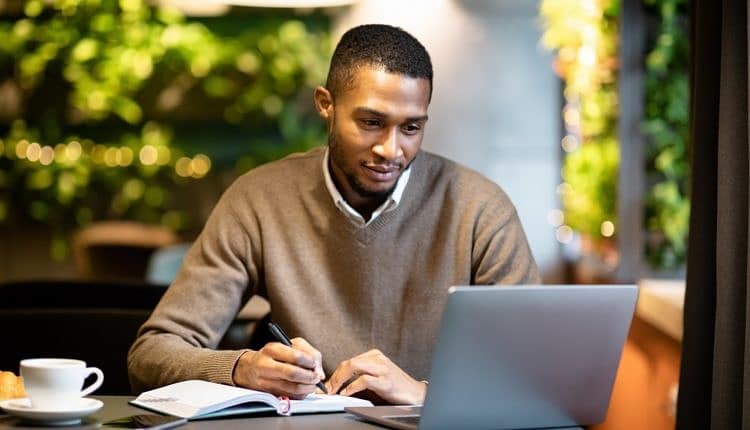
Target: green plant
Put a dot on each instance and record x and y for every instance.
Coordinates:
(666, 125)
(584, 36)
(122, 102)
(589, 171)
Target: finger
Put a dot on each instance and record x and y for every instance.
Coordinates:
(270, 368)
(340, 375)
(289, 354)
(291, 373)
(302, 344)
(280, 387)
(363, 364)
(364, 382)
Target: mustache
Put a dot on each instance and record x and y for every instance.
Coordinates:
(386, 164)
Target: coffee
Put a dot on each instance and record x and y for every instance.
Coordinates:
(56, 383)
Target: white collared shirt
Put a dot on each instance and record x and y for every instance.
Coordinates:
(388, 205)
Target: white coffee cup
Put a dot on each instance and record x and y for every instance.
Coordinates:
(56, 383)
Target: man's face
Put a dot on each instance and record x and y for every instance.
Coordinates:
(375, 130)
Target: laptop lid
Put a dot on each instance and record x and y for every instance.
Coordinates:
(527, 356)
(521, 357)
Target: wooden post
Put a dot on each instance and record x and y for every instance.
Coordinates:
(632, 175)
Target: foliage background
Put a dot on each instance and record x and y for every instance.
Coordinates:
(108, 107)
(584, 35)
(667, 112)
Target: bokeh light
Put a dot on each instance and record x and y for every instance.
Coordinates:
(556, 217)
(564, 234)
(184, 167)
(47, 155)
(21, 148)
(33, 151)
(200, 165)
(73, 151)
(148, 155)
(569, 143)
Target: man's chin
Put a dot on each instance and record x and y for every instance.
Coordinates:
(374, 190)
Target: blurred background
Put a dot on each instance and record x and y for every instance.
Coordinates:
(122, 122)
(144, 112)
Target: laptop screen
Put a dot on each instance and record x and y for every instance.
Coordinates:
(527, 356)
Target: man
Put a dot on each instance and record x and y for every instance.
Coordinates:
(353, 245)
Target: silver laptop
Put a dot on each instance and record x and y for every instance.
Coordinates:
(534, 356)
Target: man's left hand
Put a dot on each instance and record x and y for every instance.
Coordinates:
(376, 372)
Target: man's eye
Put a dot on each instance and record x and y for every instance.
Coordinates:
(411, 128)
(371, 123)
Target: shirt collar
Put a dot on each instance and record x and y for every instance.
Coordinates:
(390, 203)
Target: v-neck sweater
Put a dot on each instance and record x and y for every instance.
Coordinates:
(345, 288)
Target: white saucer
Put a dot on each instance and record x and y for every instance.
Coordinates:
(56, 417)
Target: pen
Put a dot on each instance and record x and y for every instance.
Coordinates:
(279, 334)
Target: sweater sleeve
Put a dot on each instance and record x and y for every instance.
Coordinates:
(217, 277)
(501, 253)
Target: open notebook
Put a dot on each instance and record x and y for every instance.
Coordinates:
(196, 399)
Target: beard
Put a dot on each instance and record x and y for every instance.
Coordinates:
(337, 157)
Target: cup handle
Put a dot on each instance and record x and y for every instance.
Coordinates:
(96, 384)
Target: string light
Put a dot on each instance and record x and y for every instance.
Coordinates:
(21, 148)
(73, 151)
(184, 167)
(607, 228)
(33, 152)
(47, 155)
(148, 155)
(111, 156)
(200, 165)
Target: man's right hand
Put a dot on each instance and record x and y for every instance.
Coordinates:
(280, 369)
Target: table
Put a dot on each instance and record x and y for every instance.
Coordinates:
(118, 407)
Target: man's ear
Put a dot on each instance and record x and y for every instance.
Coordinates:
(323, 103)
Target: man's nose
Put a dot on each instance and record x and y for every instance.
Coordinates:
(389, 148)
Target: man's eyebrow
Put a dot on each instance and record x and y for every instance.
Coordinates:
(373, 112)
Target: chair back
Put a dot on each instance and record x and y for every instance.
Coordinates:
(92, 321)
(118, 249)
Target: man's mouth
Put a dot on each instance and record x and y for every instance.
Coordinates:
(382, 172)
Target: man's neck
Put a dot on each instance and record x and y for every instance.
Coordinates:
(364, 205)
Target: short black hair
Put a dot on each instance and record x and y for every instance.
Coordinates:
(377, 45)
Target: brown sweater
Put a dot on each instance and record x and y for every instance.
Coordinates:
(345, 288)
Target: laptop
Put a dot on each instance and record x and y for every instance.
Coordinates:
(521, 357)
